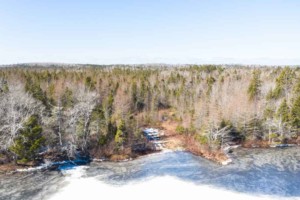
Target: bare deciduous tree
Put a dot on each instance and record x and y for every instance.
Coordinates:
(80, 113)
(16, 107)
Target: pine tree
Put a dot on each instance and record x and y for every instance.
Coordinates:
(254, 87)
(89, 83)
(254, 93)
(283, 111)
(119, 137)
(284, 83)
(67, 98)
(295, 113)
(4, 86)
(297, 87)
(30, 140)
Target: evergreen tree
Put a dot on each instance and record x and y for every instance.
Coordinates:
(30, 140)
(283, 111)
(89, 83)
(284, 83)
(4, 87)
(119, 137)
(210, 81)
(108, 105)
(134, 95)
(295, 113)
(297, 87)
(254, 87)
(67, 98)
(254, 92)
(108, 112)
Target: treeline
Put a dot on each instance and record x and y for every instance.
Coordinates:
(101, 109)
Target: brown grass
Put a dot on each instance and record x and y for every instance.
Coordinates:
(9, 167)
(205, 151)
(256, 143)
(118, 157)
(177, 141)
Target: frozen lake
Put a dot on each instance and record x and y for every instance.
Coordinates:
(255, 174)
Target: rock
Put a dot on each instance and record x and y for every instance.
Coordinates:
(226, 162)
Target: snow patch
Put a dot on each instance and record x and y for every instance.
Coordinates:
(165, 187)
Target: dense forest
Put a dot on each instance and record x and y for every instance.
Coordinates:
(101, 110)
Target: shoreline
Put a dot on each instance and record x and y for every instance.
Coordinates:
(10, 168)
(172, 142)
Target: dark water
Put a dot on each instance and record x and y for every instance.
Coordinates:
(272, 172)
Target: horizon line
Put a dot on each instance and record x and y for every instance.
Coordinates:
(148, 63)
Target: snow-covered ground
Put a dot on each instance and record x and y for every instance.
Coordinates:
(166, 187)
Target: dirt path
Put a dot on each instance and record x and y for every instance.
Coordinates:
(173, 140)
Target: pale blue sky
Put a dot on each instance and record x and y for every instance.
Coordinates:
(150, 31)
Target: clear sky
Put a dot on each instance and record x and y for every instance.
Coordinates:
(150, 31)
